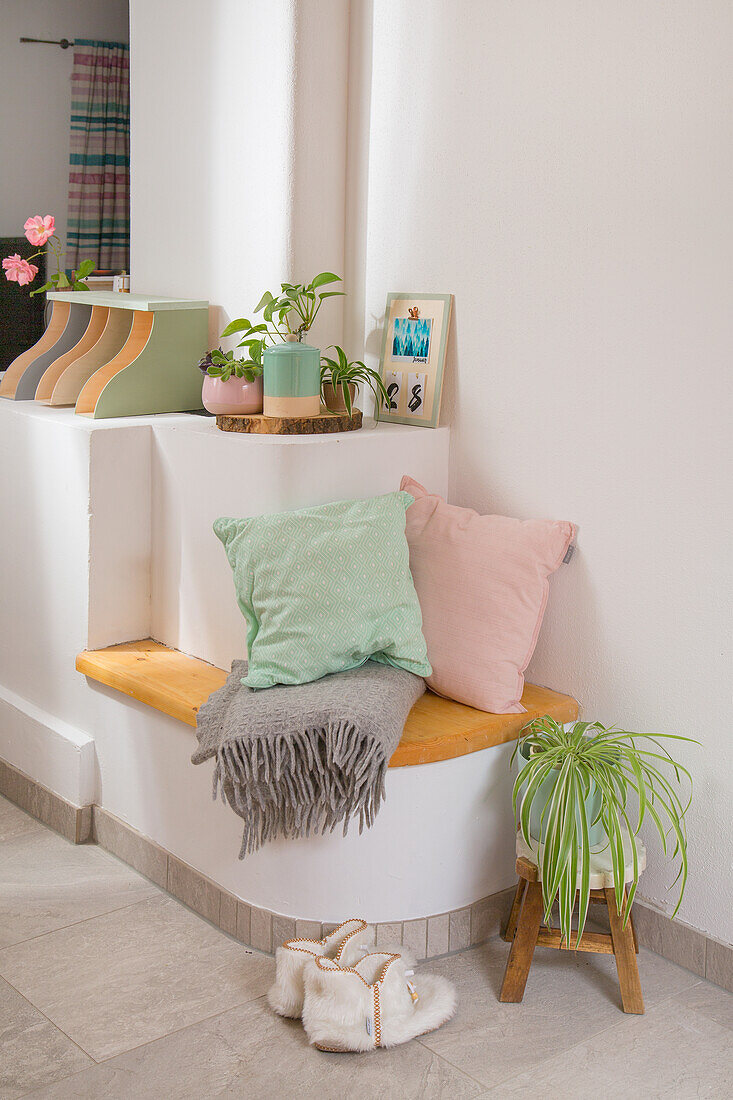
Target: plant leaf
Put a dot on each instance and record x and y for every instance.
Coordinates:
(39, 289)
(239, 325)
(324, 278)
(266, 298)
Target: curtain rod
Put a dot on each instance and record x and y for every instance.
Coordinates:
(64, 43)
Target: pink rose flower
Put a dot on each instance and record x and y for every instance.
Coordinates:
(18, 270)
(39, 229)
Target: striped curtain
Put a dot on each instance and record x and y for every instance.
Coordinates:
(99, 174)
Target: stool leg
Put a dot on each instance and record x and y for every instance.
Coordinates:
(623, 948)
(523, 945)
(633, 933)
(508, 933)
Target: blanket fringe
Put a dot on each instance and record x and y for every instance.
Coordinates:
(303, 784)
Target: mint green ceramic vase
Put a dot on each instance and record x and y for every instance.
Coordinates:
(292, 379)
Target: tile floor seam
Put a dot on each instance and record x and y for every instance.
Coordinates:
(424, 1040)
(55, 1026)
(589, 1038)
(420, 1040)
(73, 924)
(174, 1031)
(59, 1080)
(537, 1066)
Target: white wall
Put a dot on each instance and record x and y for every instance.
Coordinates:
(192, 603)
(238, 155)
(565, 169)
(34, 122)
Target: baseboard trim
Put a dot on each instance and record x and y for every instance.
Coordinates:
(684, 945)
(428, 937)
(73, 822)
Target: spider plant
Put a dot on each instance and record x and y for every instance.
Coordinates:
(581, 778)
(342, 373)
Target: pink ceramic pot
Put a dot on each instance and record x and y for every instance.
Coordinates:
(236, 397)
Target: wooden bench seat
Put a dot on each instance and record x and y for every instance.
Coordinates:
(436, 729)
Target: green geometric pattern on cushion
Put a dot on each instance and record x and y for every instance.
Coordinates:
(324, 589)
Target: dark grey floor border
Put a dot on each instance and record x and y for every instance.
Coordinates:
(427, 937)
(73, 822)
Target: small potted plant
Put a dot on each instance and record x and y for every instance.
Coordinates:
(340, 378)
(291, 369)
(231, 385)
(572, 793)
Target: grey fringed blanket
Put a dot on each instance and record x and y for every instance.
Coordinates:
(294, 761)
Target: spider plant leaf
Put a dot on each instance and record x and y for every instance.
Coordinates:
(629, 902)
(554, 840)
(565, 898)
(618, 858)
(583, 841)
(682, 848)
(651, 810)
(578, 732)
(640, 787)
(347, 396)
(567, 850)
(571, 866)
(537, 772)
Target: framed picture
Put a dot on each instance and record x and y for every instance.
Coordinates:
(413, 357)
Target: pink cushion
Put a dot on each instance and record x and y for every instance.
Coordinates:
(482, 582)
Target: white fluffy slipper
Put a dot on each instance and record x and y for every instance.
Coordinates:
(374, 1003)
(286, 994)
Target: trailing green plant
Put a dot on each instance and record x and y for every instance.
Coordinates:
(224, 365)
(291, 312)
(61, 281)
(342, 372)
(611, 765)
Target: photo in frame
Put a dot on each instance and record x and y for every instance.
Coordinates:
(413, 357)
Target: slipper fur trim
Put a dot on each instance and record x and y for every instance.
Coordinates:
(286, 994)
(369, 1005)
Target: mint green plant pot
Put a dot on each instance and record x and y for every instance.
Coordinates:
(292, 380)
(538, 827)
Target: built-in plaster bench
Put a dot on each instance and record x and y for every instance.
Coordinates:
(432, 872)
(437, 729)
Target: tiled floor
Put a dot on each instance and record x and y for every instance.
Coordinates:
(111, 988)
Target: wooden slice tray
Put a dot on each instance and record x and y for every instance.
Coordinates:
(291, 425)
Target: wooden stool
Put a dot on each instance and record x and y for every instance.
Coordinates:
(524, 932)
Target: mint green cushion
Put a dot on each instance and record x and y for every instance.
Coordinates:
(324, 589)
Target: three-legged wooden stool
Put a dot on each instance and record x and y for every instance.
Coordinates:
(524, 932)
